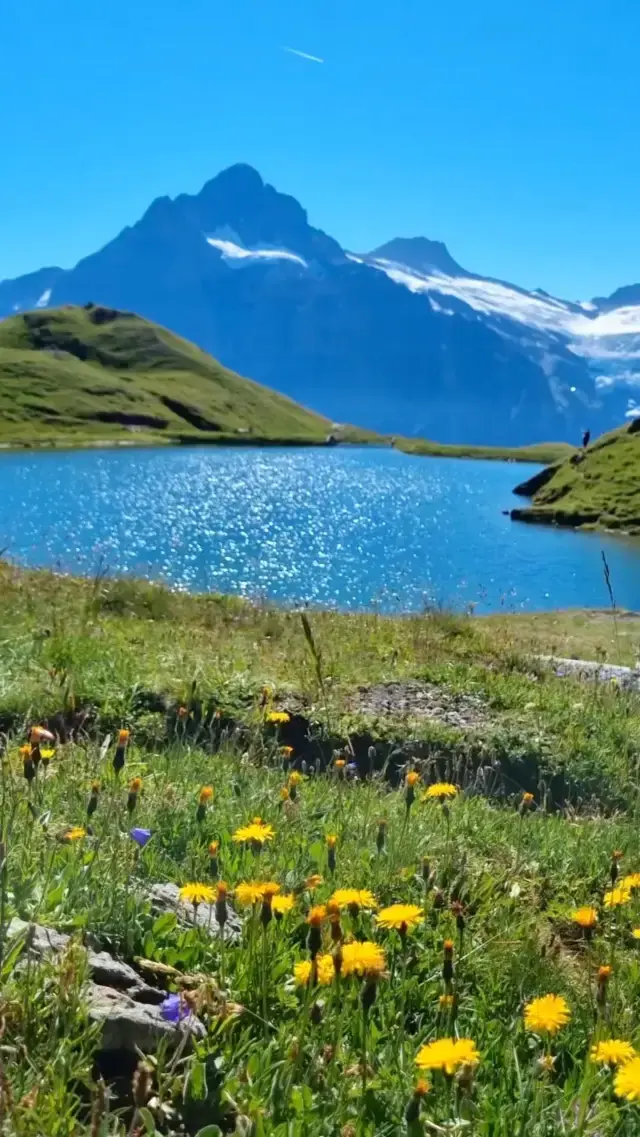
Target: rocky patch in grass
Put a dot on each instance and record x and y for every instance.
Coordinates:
(416, 700)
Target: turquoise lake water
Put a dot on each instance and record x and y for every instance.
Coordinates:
(349, 528)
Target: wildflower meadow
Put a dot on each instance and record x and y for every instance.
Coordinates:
(322, 947)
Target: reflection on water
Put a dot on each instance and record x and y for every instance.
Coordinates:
(353, 528)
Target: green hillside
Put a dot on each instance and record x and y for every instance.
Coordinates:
(595, 488)
(537, 452)
(72, 375)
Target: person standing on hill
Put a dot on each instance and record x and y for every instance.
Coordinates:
(586, 439)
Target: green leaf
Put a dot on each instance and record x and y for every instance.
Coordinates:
(147, 1118)
(198, 1080)
(210, 1131)
(165, 923)
(13, 954)
(54, 896)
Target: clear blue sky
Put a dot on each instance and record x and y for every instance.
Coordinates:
(507, 128)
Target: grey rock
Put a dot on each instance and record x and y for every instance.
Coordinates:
(414, 699)
(39, 940)
(130, 1025)
(628, 678)
(43, 942)
(166, 898)
(153, 996)
(110, 972)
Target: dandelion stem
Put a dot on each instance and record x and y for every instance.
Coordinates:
(403, 1004)
(264, 983)
(365, 1022)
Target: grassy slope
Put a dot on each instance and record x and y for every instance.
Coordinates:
(112, 638)
(600, 488)
(544, 452)
(115, 645)
(59, 370)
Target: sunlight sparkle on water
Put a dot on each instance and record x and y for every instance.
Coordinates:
(352, 528)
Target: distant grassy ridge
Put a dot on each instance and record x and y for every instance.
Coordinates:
(73, 377)
(598, 488)
(80, 375)
(543, 452)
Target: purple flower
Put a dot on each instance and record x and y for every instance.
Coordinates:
(141, 836)
(174, 1009)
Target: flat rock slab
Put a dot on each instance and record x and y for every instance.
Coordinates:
(417, 700)
(45, 942)
(166, 898)
(127, 1009)
(626, 677)
(129, 1025)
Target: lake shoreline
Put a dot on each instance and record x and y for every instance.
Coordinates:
(346, 527)
(539, 454)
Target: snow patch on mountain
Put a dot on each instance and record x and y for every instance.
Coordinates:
(233, 250)
(611, 337)
(43, 301)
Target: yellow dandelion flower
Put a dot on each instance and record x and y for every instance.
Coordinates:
(206, 795)
(214, 847)
(123, 737)
(413, 778)
(295, 778)
(612, 1052)
(402, 917)
(527, 798)
(254, 891)
(627, 1081)
(585, 917)
(46, 753)
(340, 763)
(354, 897)
(448, 1054)
(362, 957)
(331, 841)
(325, 971)
(135, 785)
(636, 933)
(446, 1002)
(630, 881)
(75, 833)
(313, 881)
(317, 915)
(196, 893)
(256, 833)
(616, 897)
(547, 1014)
(278, 717)
(441, 791)
(282, 904)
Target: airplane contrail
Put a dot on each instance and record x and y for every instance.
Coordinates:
(303, 54)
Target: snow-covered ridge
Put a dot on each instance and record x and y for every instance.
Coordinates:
(232, 249)
(613, 336)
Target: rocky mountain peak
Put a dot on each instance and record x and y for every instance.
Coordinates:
(421, 254)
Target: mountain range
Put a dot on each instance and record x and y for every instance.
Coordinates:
(401, 340)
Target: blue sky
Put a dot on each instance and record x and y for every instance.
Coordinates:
(508, 130)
